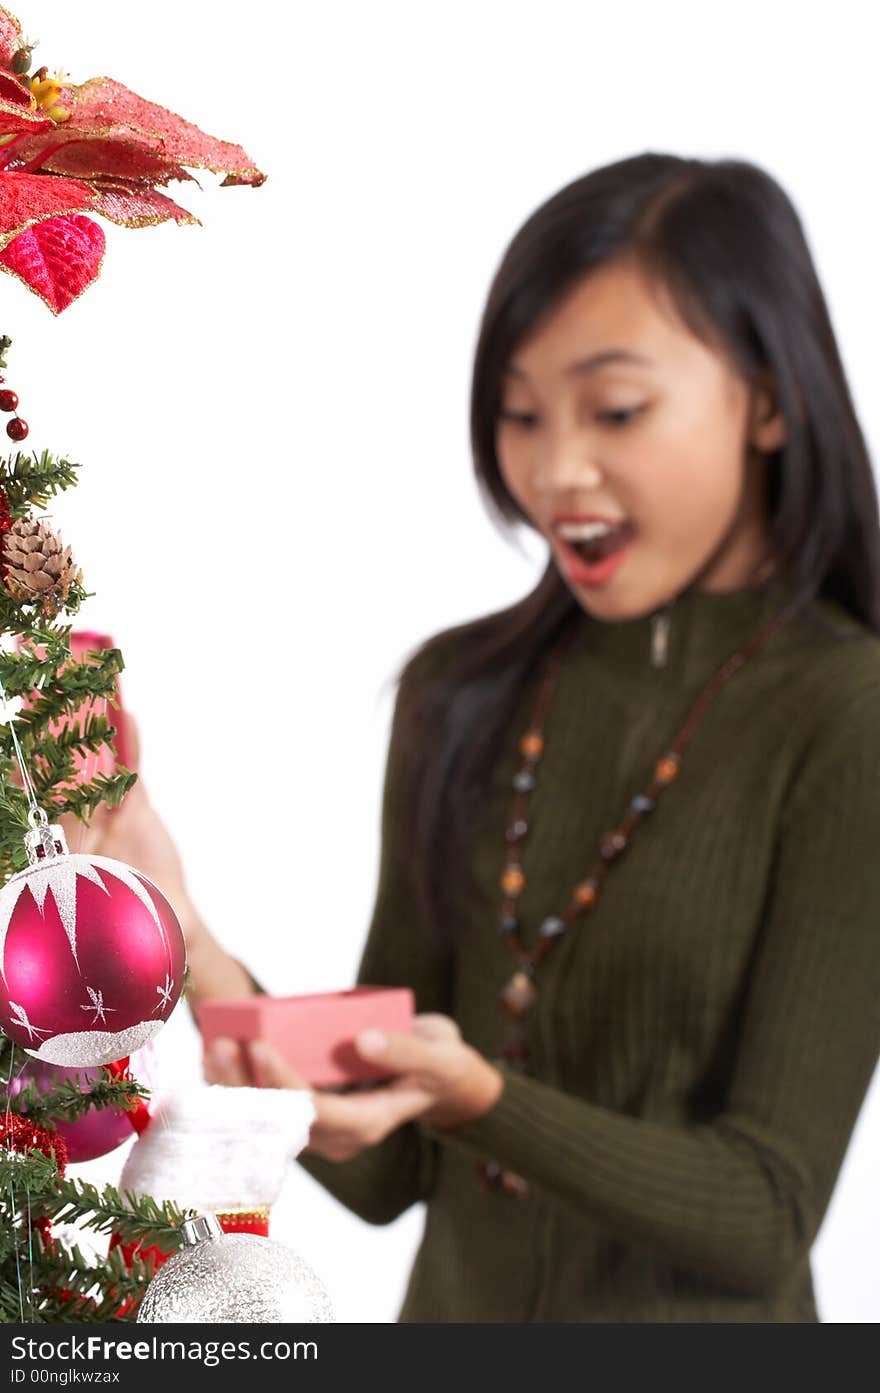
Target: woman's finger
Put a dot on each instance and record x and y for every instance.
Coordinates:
(224, 1063)
(367, 1117)
(129, 741)
(434, 1026)
(431, 1056)
(270, 1069)
(78, 836)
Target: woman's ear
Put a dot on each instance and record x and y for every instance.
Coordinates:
(767, 432)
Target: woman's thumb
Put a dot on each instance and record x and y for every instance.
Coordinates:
(434, 1026)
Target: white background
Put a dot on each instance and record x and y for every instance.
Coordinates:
(278, 500)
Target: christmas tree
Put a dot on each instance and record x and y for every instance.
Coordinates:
(66, 151)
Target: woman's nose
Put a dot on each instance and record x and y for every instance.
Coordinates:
(563, 464)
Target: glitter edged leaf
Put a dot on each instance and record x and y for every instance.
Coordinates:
(18, 110)
(57, 259)
(10, 33)
(27, 199)
(137, 205)
(113, 131)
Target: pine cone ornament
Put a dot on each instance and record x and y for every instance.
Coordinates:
(37, 568)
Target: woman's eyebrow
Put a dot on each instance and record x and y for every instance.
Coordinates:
(590, 364)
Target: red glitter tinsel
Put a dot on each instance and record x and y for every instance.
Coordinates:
(20, 1134)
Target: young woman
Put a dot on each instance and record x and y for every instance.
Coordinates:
(629, 824)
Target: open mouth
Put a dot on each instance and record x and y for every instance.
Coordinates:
(596, 549)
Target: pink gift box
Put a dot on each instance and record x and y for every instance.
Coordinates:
(315, 1034)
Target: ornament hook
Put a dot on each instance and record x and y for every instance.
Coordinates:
(46, 839)
(197, 1230)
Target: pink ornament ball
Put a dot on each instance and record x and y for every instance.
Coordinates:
(92, 960)
(97, 1132)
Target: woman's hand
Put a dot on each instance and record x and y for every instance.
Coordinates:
(134, 833)
(437, 1077)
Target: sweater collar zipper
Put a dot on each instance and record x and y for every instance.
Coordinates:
(660, 635)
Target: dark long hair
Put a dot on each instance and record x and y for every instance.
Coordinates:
(726, 242)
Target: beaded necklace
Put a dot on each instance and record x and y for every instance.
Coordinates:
(519, 992)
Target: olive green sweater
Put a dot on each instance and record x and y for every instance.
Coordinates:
(703, 1039)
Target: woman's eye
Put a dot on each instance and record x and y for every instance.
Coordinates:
(617, 416)
(518, 418)
(620, 416)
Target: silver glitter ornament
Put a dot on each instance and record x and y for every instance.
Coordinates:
(221, 1277)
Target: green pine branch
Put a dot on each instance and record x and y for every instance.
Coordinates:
(57, 688)
(63, 693)
(59, 1283)
(138, 1218)
(55, 1281)
(22, 671)
(83, 735)
(73, 1098)
(67, 1098)
(57, 794)
(25, 1173)
(82, 800)
(31, 480)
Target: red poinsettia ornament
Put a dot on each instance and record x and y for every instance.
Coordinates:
(67, 151)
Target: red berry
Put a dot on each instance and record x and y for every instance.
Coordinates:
(8, 400)
(17, 429)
